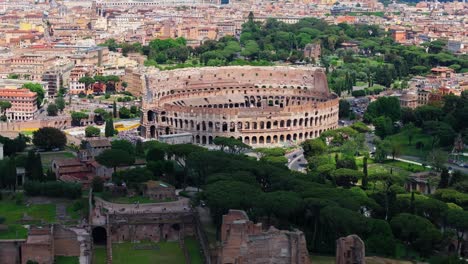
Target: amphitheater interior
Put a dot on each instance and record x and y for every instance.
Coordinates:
(277, 105)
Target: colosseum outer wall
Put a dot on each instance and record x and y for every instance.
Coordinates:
(259, 105)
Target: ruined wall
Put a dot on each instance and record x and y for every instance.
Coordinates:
(350, 249)
(42, 253)
(65, 242)
(10, 251)
(154, 227)
(245, 242)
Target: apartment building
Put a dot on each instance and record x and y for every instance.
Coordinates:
(23, 103)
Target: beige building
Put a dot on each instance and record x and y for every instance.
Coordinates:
(23, 103)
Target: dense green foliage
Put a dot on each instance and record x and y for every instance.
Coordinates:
(37, 88)
(53, 189)
(49, 138)
(92, 131)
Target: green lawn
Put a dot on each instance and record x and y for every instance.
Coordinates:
(66, 260)
(13, 214)
(322, 259)
(168, 253)
(194, 250)
(410, 150)
(47, 157)
(99, 254)
(406, 166)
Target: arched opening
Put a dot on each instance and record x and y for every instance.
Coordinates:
(176, 227)
(99, 235)
(153, 131)
(167, 130)
(150, 116)
(261, 140)
(254, 140)
(268, 139)
(247, 140)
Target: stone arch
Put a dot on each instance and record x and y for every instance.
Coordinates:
(152, 131)
(268, 125)
(294, 136)
(210, 140)
(225, 127)
(261, 140)
(99, 234)
(294, 122)
(203, 140)
(151, 116)
(281, 138)
(254, 140)
(288, 137)
(247, 140)
(275, 139)
(268, 139)
(197, 139)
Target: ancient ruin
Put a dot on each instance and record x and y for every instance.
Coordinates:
(258, 105)
(244, 242)
(350, 250)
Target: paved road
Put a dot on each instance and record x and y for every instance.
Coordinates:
(296, 160)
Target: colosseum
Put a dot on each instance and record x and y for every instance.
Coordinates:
(258, 105)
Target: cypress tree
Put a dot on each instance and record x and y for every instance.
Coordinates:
(444, 179)
(412, 203)
(109, 128)
(114, 109)
(364, 170)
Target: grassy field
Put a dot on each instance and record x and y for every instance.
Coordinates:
(369, 260)
(405, 166)
(168, 252)
(316, 259)
(194, 250)
(99, 254)
(13, 213)
(66, 260)
(47, 157)
(410, 150)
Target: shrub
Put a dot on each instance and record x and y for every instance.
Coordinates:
(53, 189)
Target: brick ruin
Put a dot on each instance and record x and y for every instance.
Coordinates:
(350, 250)
(44, 243)
(258, 105)
(243, 241)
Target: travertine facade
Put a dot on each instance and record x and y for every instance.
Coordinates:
(244, 242)
(259, 105)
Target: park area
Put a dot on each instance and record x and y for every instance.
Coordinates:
(149, 252)
(17, 213)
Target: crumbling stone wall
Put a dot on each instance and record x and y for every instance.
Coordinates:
(10, 251)
(245, 242)
(350, 250)
(65, 242)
